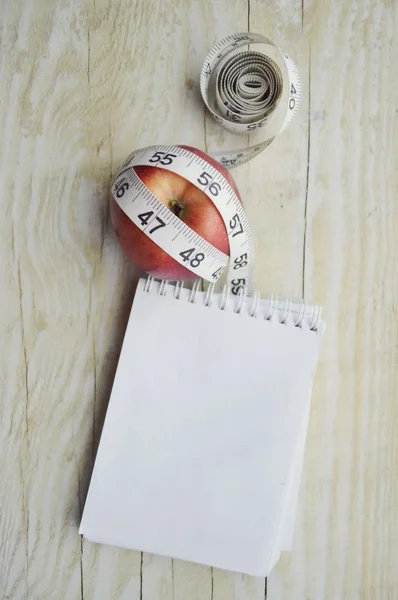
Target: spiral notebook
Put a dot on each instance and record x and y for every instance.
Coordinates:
(202, 448)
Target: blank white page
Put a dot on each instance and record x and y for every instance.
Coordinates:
(196, 454)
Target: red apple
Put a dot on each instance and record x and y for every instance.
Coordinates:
(185, 200)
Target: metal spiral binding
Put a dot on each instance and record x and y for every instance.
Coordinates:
(163, 287)
(284, 310)
(241, 301)
(177, 289)
(301, 315)
(254, 305)
(272, 308)
(194, 291)
(148, 284)
(209, 295)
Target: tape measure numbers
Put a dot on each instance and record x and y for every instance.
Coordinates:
(242, 90)
(170, 233)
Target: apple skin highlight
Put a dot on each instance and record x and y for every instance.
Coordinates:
(189, 203)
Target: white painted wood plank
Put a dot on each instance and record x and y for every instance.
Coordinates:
(346, 540)
(275, 186)
(47, 384)
(141, 104)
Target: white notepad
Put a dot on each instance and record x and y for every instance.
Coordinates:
(202, 448)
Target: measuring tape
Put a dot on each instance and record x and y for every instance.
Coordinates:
(245, 91)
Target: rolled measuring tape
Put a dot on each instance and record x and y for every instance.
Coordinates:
(245, 90)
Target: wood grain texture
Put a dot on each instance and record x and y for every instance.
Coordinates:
(346, 534)
(82, 83)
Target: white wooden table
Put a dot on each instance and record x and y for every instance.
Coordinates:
(83, 82)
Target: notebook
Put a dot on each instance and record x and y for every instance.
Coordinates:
(202, 448)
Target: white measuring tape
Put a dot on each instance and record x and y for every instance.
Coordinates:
(245, 91)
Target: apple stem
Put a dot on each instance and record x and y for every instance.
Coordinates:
(177, 207)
